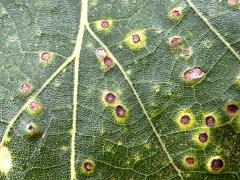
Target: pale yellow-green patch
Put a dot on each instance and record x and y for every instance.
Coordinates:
(237, 81)
(195, 137)
(120, 143)
(5, 160)
(147, 145)
(135, 46)
(186, 161)
(209, 164)
(107, 29)
(137, 157)
(235, 123)
(185, 112)
(187, 53)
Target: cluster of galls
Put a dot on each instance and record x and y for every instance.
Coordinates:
(106, 61)
(120, 112)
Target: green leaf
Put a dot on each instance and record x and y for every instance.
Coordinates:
(119, 89)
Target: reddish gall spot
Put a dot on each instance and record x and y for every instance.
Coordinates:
(108, 62)
(233, 2)
(216, 164)
(232, 109)
(45, 56)
(185, 119)
(136, 38)
(190, 161)
(210, 121)
(193, 74)
(203, 137)
(26, 88)
(88, 166)
(110, 98)
(176, 13)
(105, 24)
(175, 42)
(120, 111)
(101, 53)
(34, 106)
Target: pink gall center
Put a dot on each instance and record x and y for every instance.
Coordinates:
(105, 24)
(193, 74)
(189, 160)
(185, 119)
(45, 56)
(136, 38)
(233, 2)
(120, 111)
(101, 53)
(175, 42)
(110, 98)
(26, 88)
(88, 166)
(176, 13)
(232, 109)
(34, 106)
(108, 61)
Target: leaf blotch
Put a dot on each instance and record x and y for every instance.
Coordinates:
(5, 160)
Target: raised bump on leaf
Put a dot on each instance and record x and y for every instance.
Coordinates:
(175, 42)
(110, 98)
(136, 40)
(26, 88)
(189, 161)
(121, 114)
(34, 107)
(215, 164)
(46, 57)
(106, 61)
(105, 25)
(5, 160)
(193, 76)
(202, 137)
(187, 53)
(211, 119)
(231, 108)
(33, 130)
(88, 167)
(185, 119)
(176, 14)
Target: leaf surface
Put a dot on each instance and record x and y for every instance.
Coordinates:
(118, 89)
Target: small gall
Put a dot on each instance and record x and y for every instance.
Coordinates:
(110, 98)
(136, 40)
(26, 88)
(187, 53)
(88, 167)
(104, 25)
(45, 56)
(203, 137)
(215, 164)
(108, 62)
(120, 111)
(175, 42)
(32, 130)
(210, 121)
(190, 161)
(176, 14)
(34, 107)
(193, 75)
(185, 119)
(232, 109)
